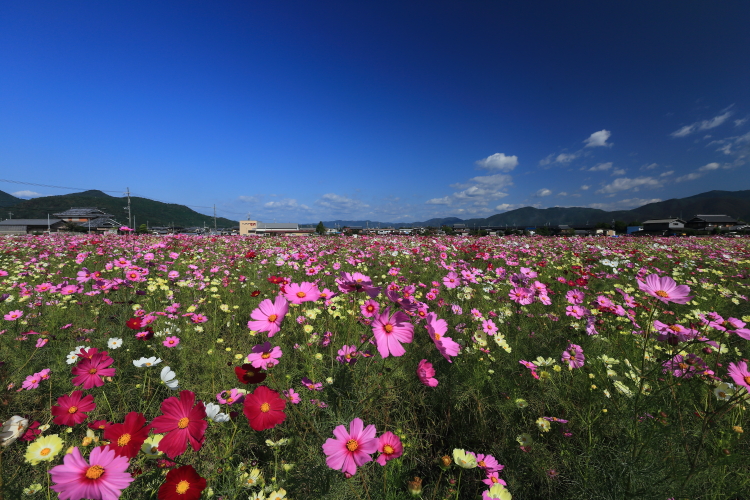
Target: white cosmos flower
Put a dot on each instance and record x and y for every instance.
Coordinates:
(146, 362)
(168, 377)
(724, 391)
(114, 343)
(71, 358)
(212, 412)
(12, 429)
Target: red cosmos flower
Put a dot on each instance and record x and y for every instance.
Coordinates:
(250, 255)
(126, 439)
(99, 425)
(90, 370)
(264, 408)
(276, 280)
(255, 293)
(182, 422)
(246, 374)
(134, 323)
(70, 410)
(182, 483)
(31, 432)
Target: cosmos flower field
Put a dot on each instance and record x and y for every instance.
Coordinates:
(143, 367)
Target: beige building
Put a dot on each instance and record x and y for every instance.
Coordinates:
(255, 228)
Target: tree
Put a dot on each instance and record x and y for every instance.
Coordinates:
(621, 227)
(543, 231)
(142, 229)
(320, 229)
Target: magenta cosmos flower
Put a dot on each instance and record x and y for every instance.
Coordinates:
(436, 328)
(390, 447)
(390, 331)
(269, 315)
(302, 292)
(264, 356)
(357, 282)
(90, 370)
(103, 477)
(182, 422)
(740, 374)
(665, 289)
(351, 449)
(426, 373)
(573, 356)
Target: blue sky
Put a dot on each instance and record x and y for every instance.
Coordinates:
(393, 111)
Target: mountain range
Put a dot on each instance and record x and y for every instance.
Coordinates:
(733, 203)
(143, 210)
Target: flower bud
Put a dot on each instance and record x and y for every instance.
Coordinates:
(415, 487)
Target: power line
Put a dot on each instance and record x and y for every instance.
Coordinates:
(60, 187)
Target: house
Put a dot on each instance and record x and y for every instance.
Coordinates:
(255, 228)
(671, 223)
(82, 214)
(711, 221)
(28, 226)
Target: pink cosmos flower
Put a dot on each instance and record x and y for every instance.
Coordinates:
(103, 477)
(489, 327)
(685, 366)
(230, 397)
(263, 356)
(576, 311)
(292, 397)
(740, 374)
(13, 315)
(41, 343)
(312, 386)
(436, 328)
(357, 282)
(665, 289)
(390, 331)
(370, 308)
(302, 292)
(351, 449)
(347, 355)
(673, 334)
(390, 447)
(573, 356)
(522, 296)
(269, 315)
(492, 479)
(90, 370)
(489, 463)
(426, 373)
(452, 280)
(32, 382)
(171, 341)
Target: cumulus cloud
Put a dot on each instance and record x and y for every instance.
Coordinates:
(601, 167)
(498, 161)
(285, 204)
(338, 203)
(562, 193)
(585, 187)
(504, 207)
(702, 125)
(598, 139)
(625, 184)
(543, 192)
(565, 157)
(445, 200)
(667, 173)
(650, 166)
(26, 194)
(708, 167)
(618, 171)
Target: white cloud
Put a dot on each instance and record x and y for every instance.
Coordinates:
(689, 177)
(625, 183)
(250, 199)
(740, 122)
(562, 193)
(585, 187)
(601, 167)
(498, 161)
(504, 207)
(625, 204)
(667, 173)
(618, 171)
(338, 203)
(598, 139)
(286, 204)
(26, 194)
(650, 167)
(702, 125)
(547, 160)
(709, 166)
(565, 158)
(543, 192)
(445, 200)
(490, 186)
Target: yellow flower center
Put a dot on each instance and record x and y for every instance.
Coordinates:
(301, 294)
(722, 394)
(437, 336)
(265, 355)
(92, 371)
(272, 317)
(123, 440)
(662, 293)
(45, 452)
(352, 445)
(494, 479)
(94, 472)
(747, 380)
(683, 366)
(184, 421)
(481, 463)
(148, 364)
(72, 409)
(388, 449)
(182, 487)
(265, 407)
(388, 328)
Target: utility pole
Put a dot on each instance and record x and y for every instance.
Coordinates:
(214, 218)
(128, 193)
(48, 230)
(10, 214)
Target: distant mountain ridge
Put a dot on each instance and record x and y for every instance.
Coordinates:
(155, 213)
(733, 203)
